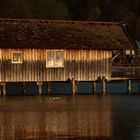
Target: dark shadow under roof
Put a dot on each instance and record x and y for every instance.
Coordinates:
(57, 34)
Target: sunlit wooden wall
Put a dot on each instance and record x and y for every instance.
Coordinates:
(83, 65)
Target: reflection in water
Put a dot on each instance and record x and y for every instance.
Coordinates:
(68, 117)
(55, 117)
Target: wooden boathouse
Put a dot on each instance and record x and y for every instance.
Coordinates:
(50, 51)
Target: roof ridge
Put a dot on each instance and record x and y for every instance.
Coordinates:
(59, 21)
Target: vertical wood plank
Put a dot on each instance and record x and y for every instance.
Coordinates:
(74, 65)
(93, 64)
(27, 70)
(30, 66)
(43, 65)
(70, 66)
(89, 66)
(39, 65)
(107, 64)
(24, 65)
(96, 65)
(0, 65)
(78, 65)
(101, 67)
(64, 69)
(84, 65)
(35, 66)
(104, 64)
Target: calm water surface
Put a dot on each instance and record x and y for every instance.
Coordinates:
(68, 117)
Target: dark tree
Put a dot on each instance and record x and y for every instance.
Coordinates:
(99, 10)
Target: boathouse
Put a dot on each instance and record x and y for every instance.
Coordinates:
(49, 50)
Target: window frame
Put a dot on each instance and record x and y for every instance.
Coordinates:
(55, 66)
(17, 62)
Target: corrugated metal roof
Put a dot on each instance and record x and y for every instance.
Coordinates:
(57, 34)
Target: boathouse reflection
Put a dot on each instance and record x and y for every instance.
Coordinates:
(57, 120)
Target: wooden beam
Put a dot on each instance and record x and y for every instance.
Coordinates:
(73, 86)
(76, 88)
(94, 87)
(23, 88)
(3, 89)
(103, 86)
(116, 55)
(49, 88)
(39, 88)
(129, 87)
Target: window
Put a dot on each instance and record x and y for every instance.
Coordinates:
(133, 52)
(17, 57)
(127, 52)
(130, 52)
(55, 58)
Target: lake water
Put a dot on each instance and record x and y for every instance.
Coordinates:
(81, 117)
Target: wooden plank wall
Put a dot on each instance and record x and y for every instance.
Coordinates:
(83, 65)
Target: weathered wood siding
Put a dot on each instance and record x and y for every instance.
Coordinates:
(83, 65)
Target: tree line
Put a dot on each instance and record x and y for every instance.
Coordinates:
(98, 10)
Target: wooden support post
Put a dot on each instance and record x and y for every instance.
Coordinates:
(23, 89)
(39, 88)
(94, 88)
(138, 87)
(129, 86)
(103, 86)
(73, 86)
(3, 89)
(49, 88)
